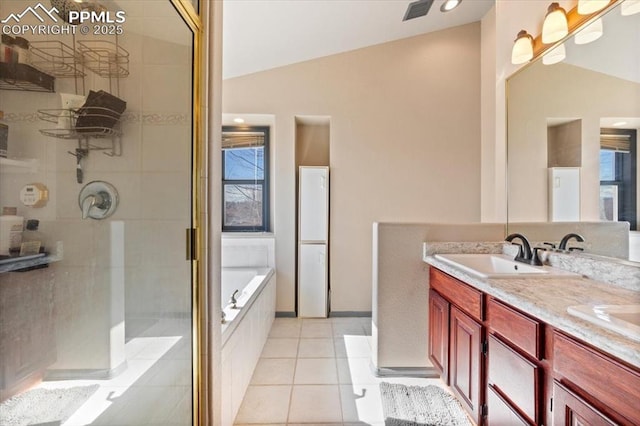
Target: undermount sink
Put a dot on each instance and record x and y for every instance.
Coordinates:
(623, 319)
(498, 266)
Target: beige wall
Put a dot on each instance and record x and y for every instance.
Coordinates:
(564, 145)
(405, 145)
(312, 144)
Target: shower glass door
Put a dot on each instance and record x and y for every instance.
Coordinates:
(96, 299)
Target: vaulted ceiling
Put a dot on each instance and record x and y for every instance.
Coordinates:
(264, 34)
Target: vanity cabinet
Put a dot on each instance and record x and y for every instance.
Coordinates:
(514, 371)
(439, 334)
(600, 385)
(570, 409)
(465, 368)
(508, 368)
(456, 338)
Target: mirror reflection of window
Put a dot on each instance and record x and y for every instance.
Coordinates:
(618, 176)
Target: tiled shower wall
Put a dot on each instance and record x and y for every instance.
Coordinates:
(152, 177)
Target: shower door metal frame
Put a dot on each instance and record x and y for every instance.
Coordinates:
(194, 20)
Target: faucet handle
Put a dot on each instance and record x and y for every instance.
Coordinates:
(535, 258)
(552, 245)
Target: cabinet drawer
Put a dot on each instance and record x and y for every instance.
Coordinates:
(515, 377)
(517, 328)
(615, 386)
(460, 294)
(500, 412)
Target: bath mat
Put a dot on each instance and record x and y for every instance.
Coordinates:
(44, 406)
(420, 406)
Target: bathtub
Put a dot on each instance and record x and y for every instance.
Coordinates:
(249, 282)
(244, 331)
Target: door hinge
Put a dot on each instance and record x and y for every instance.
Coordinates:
(551, 405)
(485, 348)
(484, 410)
(191, 244)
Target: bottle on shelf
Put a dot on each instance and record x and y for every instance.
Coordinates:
(32, 238)
(11, 227)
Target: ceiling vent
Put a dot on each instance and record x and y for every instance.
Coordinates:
(417, 9)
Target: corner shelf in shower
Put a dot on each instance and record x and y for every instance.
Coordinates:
(19, 164)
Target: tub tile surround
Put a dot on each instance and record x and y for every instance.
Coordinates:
(549, 298)
(332, 381)
(250, 250)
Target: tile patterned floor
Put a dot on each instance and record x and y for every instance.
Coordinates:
(317, 371)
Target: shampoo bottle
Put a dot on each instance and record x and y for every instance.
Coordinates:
(11, 226)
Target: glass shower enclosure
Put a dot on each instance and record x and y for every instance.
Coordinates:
(96, 155)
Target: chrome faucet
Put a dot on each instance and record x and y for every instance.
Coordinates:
(525, 253)
(234, 300)
(565, 240)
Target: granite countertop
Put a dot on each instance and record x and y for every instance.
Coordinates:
(548, 299)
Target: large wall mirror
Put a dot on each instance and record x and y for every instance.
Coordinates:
(572, 132)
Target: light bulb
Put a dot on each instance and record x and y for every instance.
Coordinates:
(522, 48)
(555, 55)
(450, 5)
(555, 26)
(630, 7)
(587, 7)
(590, 33)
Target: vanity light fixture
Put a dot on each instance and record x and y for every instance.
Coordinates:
(587, 7)
(630, 7)
(555, 55)
(238, 120)
(590, 33)
(449, 5)
(522, 48)
(555, 26)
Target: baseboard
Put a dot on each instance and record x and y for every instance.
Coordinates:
(347, 314)
(282, 314)
(86, 374)
(422, 372)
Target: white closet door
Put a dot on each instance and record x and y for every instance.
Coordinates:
(312, 280)
(314, 203)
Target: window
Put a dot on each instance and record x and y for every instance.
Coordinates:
(245, 178)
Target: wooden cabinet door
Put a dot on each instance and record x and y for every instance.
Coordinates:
(571, 410)
(439, 334)
(464, 361)
(500, 412)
